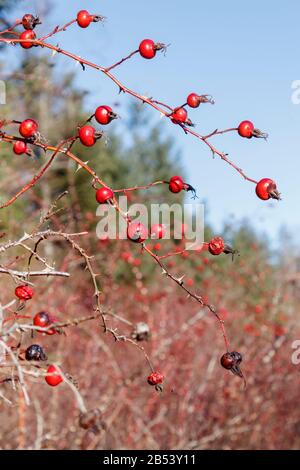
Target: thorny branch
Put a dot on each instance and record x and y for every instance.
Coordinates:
(38, 236)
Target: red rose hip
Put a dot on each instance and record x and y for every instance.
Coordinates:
(193, 100)
(29, 21)
(24, 292)
(246, 129)
(266, 189)
(20, 147)
(87, 135)
(227, 361)
(176, 184)
(43, 319)
(137, 232)
(28, 128)
(28, 34)
(104, 115)
(84, 19)
(155, 378)
(147, 49)
(53, 380)
(103, 195)
(179, 115)
(216, 246)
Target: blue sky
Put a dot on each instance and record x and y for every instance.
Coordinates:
(244, 54)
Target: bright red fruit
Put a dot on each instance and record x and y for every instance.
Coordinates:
(104, 115)
(137, 232)
(176, 184)
(103, 195)
(179, 115)
(266, 189)
(216, 246)
(29, 21)
(158, 231)
(24, 292)
(84, 19)
(28, 34)
(28, 128)
(193, 100)
(246, 129)
(43, 319)
(87, 135)
(155, 378)
(53, 380)
(20, 147)
(147, 49)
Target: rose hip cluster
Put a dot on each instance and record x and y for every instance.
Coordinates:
(88, 136)
(43, 320)
(265, 188)
(28, 129)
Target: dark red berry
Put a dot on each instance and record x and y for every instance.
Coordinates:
(231, 361)
(158, 231)
(216, 246)
(28, 34)
(35, 353)
(20, 147)
(104, 115)
(29, 21)
(137, 232)
(84, 19)
(155, 378)
(246, 129)
(103, 195)
(53, 380)
(43, 319)
(266, 189)
(28, 128)
(176, 184)
(227, 361)
(87, 135)
(24, 292)
(179, 115)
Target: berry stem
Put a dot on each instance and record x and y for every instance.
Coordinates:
(56, 30)
(198, 298)
(135, 188)
(121, 61)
